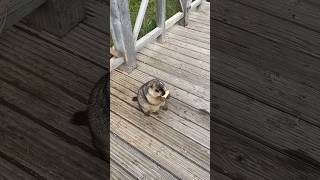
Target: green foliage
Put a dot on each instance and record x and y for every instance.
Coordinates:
(149, 22)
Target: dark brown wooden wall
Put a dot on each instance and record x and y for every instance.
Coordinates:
(266, 70)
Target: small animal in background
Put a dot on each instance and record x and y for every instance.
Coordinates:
(96, 117)
(152, 97)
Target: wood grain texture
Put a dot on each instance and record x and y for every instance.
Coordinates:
(118, 173)
(303, 13)
(189, 46)
(20, 140)
(181, 70)
(263, 85)
(188, 57)
(44, 81)
(18, 9)
(265, 70)
(183, 51)
(242, 158)
(57, 16)
(281, 31)
(134, 162)
(156, 150)
(302, 69)
(11, 171)
(276, 128)
(215, 175)
(45, 111)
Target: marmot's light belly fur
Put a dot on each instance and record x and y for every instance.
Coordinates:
(147, 103)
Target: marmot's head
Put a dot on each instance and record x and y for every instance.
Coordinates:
(156, 88)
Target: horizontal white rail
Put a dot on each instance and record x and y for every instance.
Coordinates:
(195, 4)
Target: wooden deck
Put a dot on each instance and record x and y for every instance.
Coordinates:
(43, 82)
(176, 143)
(266, 86)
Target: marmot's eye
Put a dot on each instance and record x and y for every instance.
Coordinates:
(157, 90)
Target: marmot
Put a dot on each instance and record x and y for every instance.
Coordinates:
(152, 96)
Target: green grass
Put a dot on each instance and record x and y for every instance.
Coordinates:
(149, 22)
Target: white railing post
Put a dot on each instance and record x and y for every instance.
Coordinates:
(122, 35)
(186, 6)
(161, 18)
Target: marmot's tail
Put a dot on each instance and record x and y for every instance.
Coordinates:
(80, 118)
(135, 98)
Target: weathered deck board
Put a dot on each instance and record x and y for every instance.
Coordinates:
(11, 171)
(181, 50)
(44, 80)
(164, 58)
(135, 162)
(304, 13)
(189, 57)
(21, 141)
(168, 158)
(268, 26)
(178, 140)
(277, 129)
(266, 84)
(17, 9)
(242, 158)
(191, 47)
(282, 63)
(168, 65)
(46, 113)
(118, 173)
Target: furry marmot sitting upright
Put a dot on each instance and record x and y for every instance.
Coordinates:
(152, 96)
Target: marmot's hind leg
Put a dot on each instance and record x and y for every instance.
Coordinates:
(147, 113)
(165, 107)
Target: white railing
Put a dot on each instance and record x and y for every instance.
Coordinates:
(126, 42)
